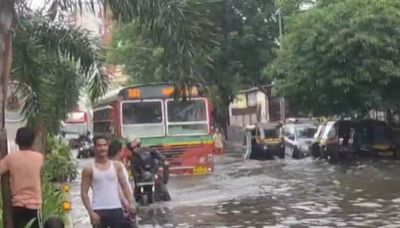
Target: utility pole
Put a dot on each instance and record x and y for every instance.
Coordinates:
(282, 100)
(6, 23)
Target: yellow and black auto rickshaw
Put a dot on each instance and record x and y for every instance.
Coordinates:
(337, 141)
(264, 141)
(376, 138)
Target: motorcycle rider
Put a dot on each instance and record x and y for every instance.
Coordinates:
(140, 156)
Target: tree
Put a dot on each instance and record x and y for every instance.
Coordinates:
(140, 57)
(49, 58)
(245, 32)
(172, 24)
(342, 57)
(57, 62)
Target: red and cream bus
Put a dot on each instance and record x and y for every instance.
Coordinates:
(180, 129)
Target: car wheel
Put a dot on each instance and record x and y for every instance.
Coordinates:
(282, 154)
(295, 154)
(333, 156)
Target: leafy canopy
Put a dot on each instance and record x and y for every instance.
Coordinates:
(343, 56)
(57, 62)
(244, 34)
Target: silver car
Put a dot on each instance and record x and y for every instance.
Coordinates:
(299, 138)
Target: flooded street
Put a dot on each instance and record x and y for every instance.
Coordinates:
(281, 193)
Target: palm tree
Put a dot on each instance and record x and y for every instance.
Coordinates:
(177, 26)
(56, 76)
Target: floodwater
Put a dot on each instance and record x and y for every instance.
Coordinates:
(278, 193)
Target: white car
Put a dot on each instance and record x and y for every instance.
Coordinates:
(299, 138)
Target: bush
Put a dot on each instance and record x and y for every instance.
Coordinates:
(52, 201)
(60, 165)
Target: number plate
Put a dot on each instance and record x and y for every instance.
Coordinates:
(200, 170)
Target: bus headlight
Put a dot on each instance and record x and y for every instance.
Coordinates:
(202, 160)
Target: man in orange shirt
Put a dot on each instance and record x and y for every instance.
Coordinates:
(25, 168)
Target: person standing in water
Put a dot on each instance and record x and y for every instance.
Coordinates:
(105, 177)
(218, 142)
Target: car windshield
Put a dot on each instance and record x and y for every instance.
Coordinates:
(305, 131)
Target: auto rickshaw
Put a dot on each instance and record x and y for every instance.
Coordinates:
(317, 137)
(337, 141)
(376, 138)
(264, 141)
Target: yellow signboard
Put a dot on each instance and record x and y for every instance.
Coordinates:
(240, 101)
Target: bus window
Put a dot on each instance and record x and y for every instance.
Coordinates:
(142, 119)
(187, 117)
(142, 113)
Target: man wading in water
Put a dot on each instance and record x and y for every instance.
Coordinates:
(105, 177)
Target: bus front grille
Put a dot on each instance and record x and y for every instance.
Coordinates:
(174, 152)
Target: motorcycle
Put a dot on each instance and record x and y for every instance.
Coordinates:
(153, 175)
(85, 150)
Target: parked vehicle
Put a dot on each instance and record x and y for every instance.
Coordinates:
(376, 138)
(73, 143)
(264, 141)
(338, 141)
(299, 138)
(86, 150)
(317, 138)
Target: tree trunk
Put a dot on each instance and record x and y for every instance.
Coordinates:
(6, 19)
(40, 144)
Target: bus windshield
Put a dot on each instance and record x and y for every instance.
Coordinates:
(75, 128)
(143, 119)
(187, 117)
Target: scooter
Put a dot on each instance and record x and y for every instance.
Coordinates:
(145, 188)
(151, 183)
(85, 150)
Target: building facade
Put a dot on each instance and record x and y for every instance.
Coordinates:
(258, 104)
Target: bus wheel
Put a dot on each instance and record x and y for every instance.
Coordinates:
(144, 200)
(150, 197)
(397, 152)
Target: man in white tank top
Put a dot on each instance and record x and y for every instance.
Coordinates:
(105, 177)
